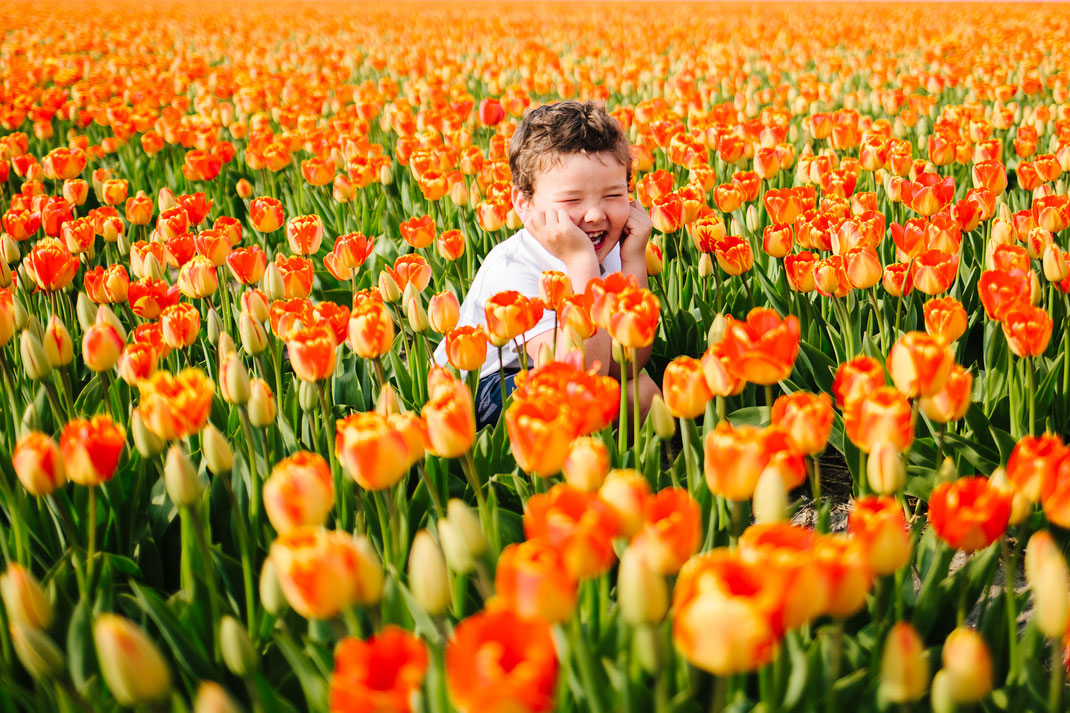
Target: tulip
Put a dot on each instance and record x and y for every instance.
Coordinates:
(443, 312)
(380, 674)
(304, 233)
(953, 400)
(180, 479)
(1048, 576)
(266, 214)
(761, 349)
(498, 661)
(299, 492)
(372, 451)
(463, 541)
(967, 666)
(38, 463)
(533, 581)
(685, 388)
(539, 434)
(466, 348)
(371, 331)
(321, 572)
(176, 406)
(101, 347)
(312, 353)
(642, 592)
(970, 513)
(91, 449)
(884, 415)
(904, 675)
(672, 531)
(37, 653)
(806, 419)
(508, 315)
(428, 577)
(736, 457)
(885, 469)
(130, 662)
(25, 602)
(586, 464)
(218, 455)
(1028, 330)
(261, 404)
(450, 416)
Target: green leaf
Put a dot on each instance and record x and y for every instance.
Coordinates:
(187, 650)
(81, 655)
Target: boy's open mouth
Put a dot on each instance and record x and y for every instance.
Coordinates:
(597, 238)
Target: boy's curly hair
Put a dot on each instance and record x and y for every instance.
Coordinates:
(566, 127)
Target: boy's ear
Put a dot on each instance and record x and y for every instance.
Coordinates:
(521, 204)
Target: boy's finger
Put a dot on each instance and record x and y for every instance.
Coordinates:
(563, 217)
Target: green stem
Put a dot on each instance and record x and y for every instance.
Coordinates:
(834, 666)
(622, 427)
(689, 464)
(1057, 683)
(209, 577)
(586, 666)
(91, 544)
(254, 479)
(1031, 377)
(246, 558)
(635, 405)
(336, 472)
(1010, 570)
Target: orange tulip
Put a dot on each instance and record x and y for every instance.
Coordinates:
(969, 513)
(1002, 291)
(1032, 465)
(762, 349)
(945, 319)
(298, 492)
(181, 323)
(508, 315)
(450, 415)
(373, 452)
(1028, 330)
(197, 279)
(734, 255)
(587, 464)
(673, 530)
(91, 449)
(450, 244)
(554, 287)
(352, 249)
(381, 674)
(935, 271)
(919, 364)
(78, 235)
(952, 401)
(410, 269)
(297, 275)
(736, 457)
(863, 267)
(443, 311)
(371, 330)
(667, 213)
(304, 233)
(685, 388)
(856, 379)
(880, 416)
(726, 613)
(137, 362)
(266, 214)
(38, 463)
(101, 347)
(51, 265)
(312, 352)
(845, 567)
(633, 320)
(498, 662)
(728, 197)
(789, 553)
(247, 264)
(418, 232)
(533, 580)
(799, 270)
(539, 435)
(176, 406)
(879, 525)
(806, 419)
(321, 572)
(577, 524)
(707, 231)
(139, 209)
(108, 285)
(831, 278)
(466, 348)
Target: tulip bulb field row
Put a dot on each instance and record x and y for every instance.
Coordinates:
(233, 476)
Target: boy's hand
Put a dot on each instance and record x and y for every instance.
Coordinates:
(558, 234)
(636, 234)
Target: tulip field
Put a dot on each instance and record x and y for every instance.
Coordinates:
(233, 476)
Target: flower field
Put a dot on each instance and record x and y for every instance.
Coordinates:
(233, 478)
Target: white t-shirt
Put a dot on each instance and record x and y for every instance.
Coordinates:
(516, 263)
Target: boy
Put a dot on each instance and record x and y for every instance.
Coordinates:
(571, 169)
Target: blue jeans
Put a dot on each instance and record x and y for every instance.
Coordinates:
(489, 397)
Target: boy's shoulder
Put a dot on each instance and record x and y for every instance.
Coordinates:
(516, 260)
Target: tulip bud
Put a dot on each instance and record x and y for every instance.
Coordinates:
(5, 274)
(101, 347)
(151, 268)
(86, 310)
(705, 266)
(244, 189)
(459, 194)
(428, 578)
(213, 698)
(106, 315)
(148, 444)
(237, 648)
(271, 283)
(642, 592)
(885, 470)
(387, 403)
(165, 201)
(215, 326)
(35, 362)
(33, 326)
(26, 603)
(753, 220)
(217, 452)
(58, 344)
(461, 536)
(512, 220)
(233, 379)
(180, 479)
(904, 667)
(123, 243)
(9, 250)
(308, 396)
(967, 671)
(586, 464)
(271, 594)
(37, 653)
(261, 404)
(253, 335)
(131, 664)
(19, 313)
(388, 288)
(225, 346)
(386, 175)
(1047, 574)
(717, 329)
(770, 498)
(661, 417)
(417, 315)
(1055, 265)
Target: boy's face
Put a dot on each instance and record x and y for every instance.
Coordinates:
(592, 188)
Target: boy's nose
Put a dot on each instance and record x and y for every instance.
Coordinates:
(594, 214)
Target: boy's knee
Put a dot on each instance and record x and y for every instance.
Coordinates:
(647, 391)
